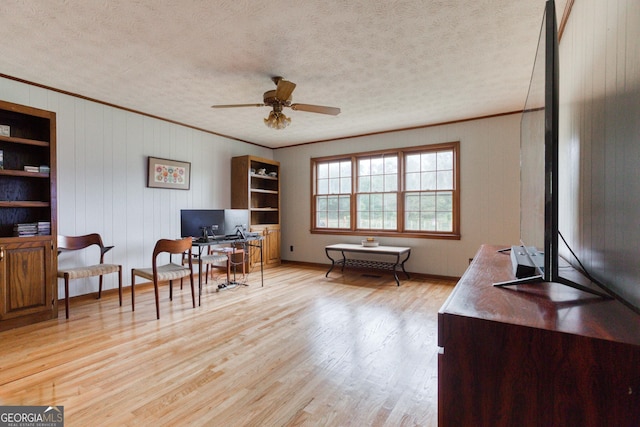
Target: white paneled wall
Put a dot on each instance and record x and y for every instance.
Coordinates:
(102, 170)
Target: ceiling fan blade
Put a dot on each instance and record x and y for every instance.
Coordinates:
(284, 90)
(237, 105)
(333, 111)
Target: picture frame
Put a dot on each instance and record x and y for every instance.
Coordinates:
(167, 173)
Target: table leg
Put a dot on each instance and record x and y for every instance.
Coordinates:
(333, 262)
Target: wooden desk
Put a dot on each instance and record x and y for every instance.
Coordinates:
(400, 255)
(534, 355)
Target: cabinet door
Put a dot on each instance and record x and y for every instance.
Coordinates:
(27, 284)
(272, 249)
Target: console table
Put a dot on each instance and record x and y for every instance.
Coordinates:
(534, 355)
(399, 255)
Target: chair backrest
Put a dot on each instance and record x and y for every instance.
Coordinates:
(179, 246)
(74, 243)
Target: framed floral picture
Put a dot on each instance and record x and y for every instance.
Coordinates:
(165, 173)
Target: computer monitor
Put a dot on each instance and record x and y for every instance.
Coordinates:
(234, 220)
(194, 221)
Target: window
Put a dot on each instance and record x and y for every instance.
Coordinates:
(412, 191)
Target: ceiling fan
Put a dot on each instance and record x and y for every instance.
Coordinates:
(280, 98)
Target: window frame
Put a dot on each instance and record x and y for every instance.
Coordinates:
(454, 234)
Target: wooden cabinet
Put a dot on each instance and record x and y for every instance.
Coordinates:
(255, 185)
(270, 245)
(28, 290)
(534, 355)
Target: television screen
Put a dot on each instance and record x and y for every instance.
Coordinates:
(539, 175)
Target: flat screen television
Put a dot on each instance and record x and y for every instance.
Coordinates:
(539, 176)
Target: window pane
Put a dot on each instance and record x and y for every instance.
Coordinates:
(376, 202)
(412, 221)
(428, 202)
(445, 160)
(376, 166)
(428, 162)
(376, 220)
(334, 185)
(444, 202)
(345, 185)
(412, 202)
(333, 219)
(445, 180)
(332, 203)
(334, 170)
(343, 204)
(377, 183)
(391, 183)
(390, 165)
(412, 181)
(364, 167)
(444, 221)
(412, 163)
(321, 219)
(363, 219)
(323, 186)
(390, 202)
(363, 202)
(428, 181)
(345, 220)
(364, 184)
(323, 170)
(428, 221)
(345, 169)
(390, 220)
(321, 203)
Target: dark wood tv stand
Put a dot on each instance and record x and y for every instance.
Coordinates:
(534, 355)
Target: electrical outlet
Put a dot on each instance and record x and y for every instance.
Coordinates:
(291, 248)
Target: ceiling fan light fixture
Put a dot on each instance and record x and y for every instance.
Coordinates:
(277, 120)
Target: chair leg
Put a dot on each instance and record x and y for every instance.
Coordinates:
(193, 292)
(66, 295)
(155, 288)
(120, 285)
(100, 287)
(133, 292)
(170, 290)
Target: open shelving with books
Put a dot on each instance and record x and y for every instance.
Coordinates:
(27, 215)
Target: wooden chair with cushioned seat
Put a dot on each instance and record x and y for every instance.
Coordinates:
(167, 272)
(75, 243)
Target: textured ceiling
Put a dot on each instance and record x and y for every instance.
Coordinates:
(387, 64)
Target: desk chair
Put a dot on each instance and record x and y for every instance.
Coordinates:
(167, 272)
(76, 243)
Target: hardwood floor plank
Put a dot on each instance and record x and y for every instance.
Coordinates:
(302, 350)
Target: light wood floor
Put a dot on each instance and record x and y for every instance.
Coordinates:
(350, 350)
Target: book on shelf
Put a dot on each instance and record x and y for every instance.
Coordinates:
(1, 159)
(41, 228)
(31, 169)
(44, 169)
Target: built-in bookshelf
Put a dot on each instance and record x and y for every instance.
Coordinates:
(255, 185)
(27, 215)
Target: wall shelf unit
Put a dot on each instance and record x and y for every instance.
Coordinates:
(28, 260)
(255, 185)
